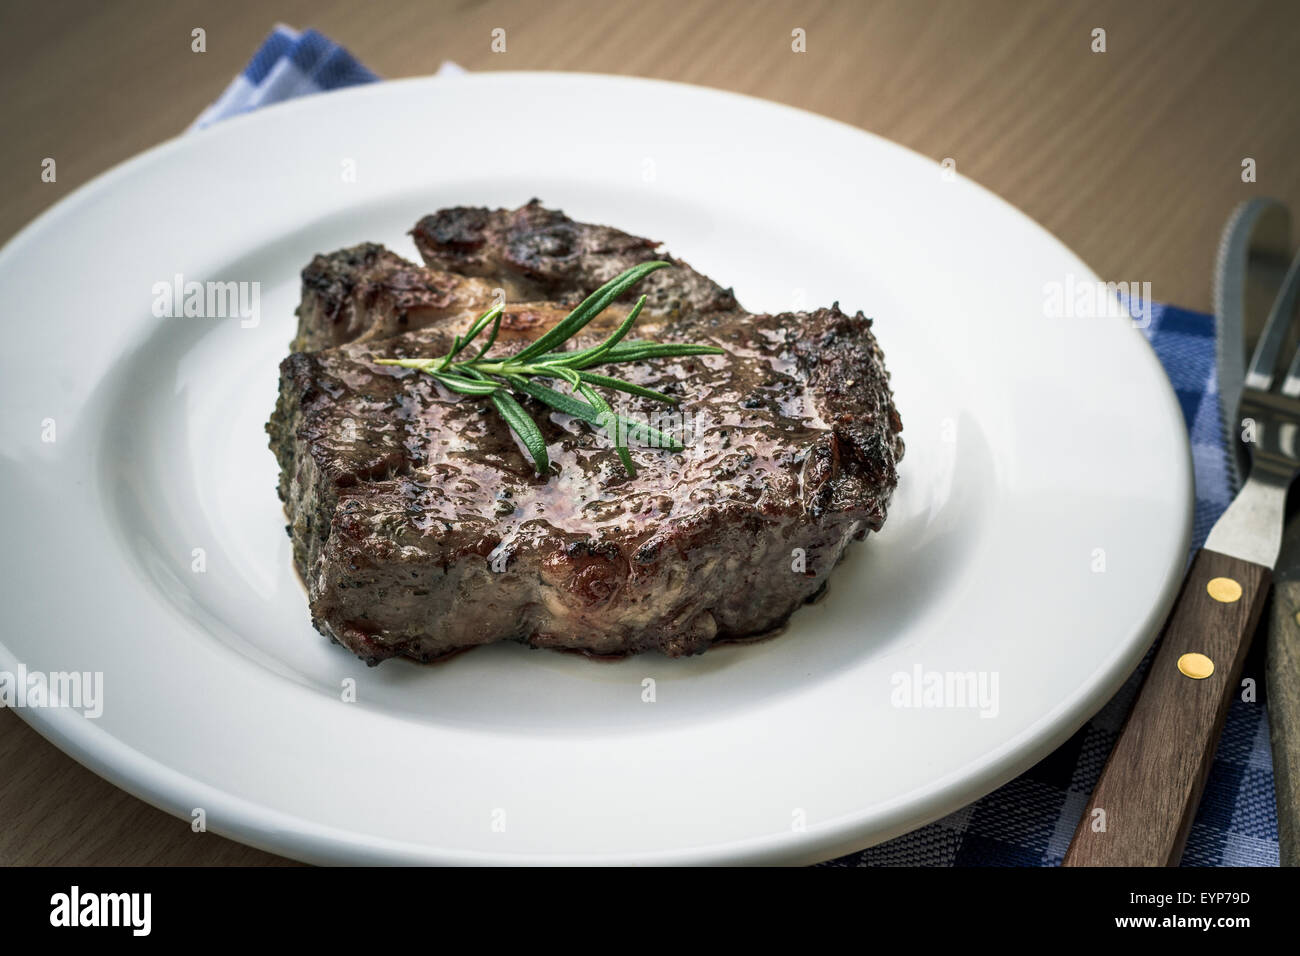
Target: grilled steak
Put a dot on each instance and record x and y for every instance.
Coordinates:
(536, 253)
(368, 292)
(417, 521)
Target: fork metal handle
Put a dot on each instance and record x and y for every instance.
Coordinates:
(1143, 806)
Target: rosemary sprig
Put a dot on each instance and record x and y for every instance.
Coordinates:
(498, 379)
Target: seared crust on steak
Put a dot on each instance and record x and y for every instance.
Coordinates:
(419, 526)
(539, 253)
(367, 292)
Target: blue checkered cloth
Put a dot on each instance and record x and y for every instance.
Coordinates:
(289, 64)
(1028, 822)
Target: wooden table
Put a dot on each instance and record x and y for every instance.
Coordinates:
(1133, 157)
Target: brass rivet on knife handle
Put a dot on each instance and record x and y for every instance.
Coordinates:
(1224, 590)
(1196, 666)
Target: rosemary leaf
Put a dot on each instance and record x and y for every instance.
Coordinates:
(524, 427)
(608, 421)
(590, 356)
(492, 336)
(466, 386)
(650, 437)
(590, 307)
(644, 434)
(459, 343)
(618, 384)
(640, 351)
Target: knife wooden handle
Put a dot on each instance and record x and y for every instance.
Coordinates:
(1282, 679)
(1144, 803)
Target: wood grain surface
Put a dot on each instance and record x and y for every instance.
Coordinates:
(1282, 677)
(1132, 157)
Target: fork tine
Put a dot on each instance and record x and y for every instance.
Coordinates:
(1260, 373)
(1281, 317)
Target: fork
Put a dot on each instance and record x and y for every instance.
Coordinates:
(1143, 805)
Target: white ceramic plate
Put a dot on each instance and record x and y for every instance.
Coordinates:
(1038, 447)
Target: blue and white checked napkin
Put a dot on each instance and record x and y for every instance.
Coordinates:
(290, 64)
(1029, 821)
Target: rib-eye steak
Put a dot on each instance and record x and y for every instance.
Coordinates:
(420, 527)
